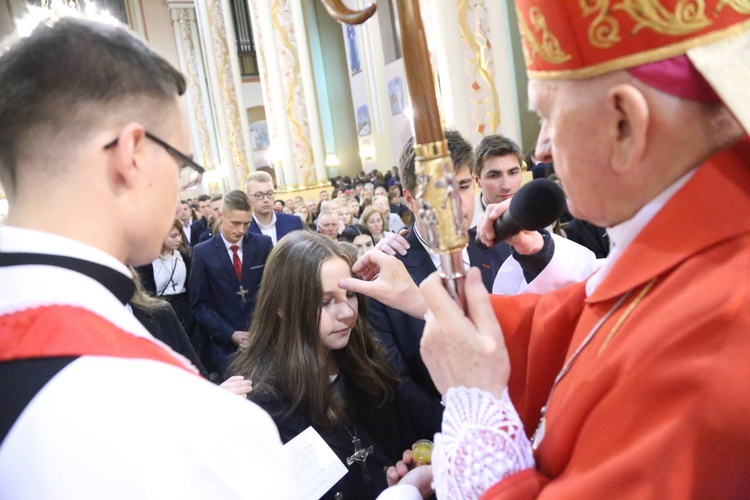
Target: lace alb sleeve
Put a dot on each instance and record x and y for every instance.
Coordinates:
(482, 441)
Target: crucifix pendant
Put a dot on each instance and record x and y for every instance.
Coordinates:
(360, 456)
(242, 293)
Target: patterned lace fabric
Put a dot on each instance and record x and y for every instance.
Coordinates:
(482, 442)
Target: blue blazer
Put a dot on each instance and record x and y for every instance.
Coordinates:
(196, 230)
(214, 286)
(285, 224)
(401, 333)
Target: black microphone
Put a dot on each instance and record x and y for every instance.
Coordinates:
(535, 206)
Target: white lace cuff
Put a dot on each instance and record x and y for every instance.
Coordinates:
(482, 442)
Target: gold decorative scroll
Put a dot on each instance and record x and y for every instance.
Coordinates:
(548, 48)
(186, 20)
(484, 98)
(268, 103)
(604, 30)
(741, 6)
(296, 107)
(689, 16)
(228, 90)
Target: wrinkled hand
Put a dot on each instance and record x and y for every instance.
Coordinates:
(525, 242)
(385, 279)
(240, 338)
(237, 385)
(392, 244)
(460, 350)
(404, 472)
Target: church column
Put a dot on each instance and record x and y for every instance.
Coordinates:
(289, 94)
(465, 41)
(311, 102)
(197, 96)
(224, 84)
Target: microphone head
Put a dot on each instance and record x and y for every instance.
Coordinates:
(537, 204)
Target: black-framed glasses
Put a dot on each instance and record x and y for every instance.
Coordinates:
(268, 194)
(190, 172)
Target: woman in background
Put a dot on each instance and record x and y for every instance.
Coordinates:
(345, 216)
(304, 213)
(373, 220)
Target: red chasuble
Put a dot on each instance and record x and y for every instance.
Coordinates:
(657, 404)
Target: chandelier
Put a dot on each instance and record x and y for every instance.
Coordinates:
(50, 11)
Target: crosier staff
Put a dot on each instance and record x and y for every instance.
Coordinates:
(439, 217)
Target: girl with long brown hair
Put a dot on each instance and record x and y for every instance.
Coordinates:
(314, 362)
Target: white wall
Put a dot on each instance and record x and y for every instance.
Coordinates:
(158, 30)
(251, 94)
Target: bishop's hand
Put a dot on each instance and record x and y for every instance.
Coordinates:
(463, 351)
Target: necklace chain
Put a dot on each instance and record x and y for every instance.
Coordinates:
(163, 261)
(540, 430)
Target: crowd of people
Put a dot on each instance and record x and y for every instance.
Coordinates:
(567, 374)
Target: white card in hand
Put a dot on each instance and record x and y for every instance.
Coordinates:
(315, 464)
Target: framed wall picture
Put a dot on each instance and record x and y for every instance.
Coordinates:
(355, 65)
(259, 136)
(396, 95)
(363, 120)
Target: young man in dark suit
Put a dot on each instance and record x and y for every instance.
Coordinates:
(399, 332)
(201, 225)
(266, 220)
(224, 278)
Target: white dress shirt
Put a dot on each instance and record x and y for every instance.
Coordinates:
(270, 229)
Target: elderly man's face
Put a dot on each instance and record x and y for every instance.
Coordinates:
(382, 206)
(578, 131)
(328, 225)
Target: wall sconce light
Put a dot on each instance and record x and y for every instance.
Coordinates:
(332, 160)
(366, 152)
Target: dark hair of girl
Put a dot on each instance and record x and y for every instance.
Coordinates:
(285, 356)
(351, 232)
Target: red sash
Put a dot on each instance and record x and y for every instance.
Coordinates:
(52, 331)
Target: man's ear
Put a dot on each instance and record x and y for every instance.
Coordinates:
(410, 201)
(632, 116)
(130, 152)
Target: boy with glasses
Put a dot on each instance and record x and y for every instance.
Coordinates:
(93, 406)
(266, 220)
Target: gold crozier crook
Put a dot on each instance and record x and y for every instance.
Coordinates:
(439, 218)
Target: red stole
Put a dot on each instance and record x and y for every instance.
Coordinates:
(52, 331)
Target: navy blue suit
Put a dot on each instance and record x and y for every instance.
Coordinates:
(285, 223)
(401, 333)
(197, 228)
(217, 307)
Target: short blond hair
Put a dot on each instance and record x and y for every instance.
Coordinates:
(259, 176)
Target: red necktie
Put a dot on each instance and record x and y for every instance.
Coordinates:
(236, 261)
